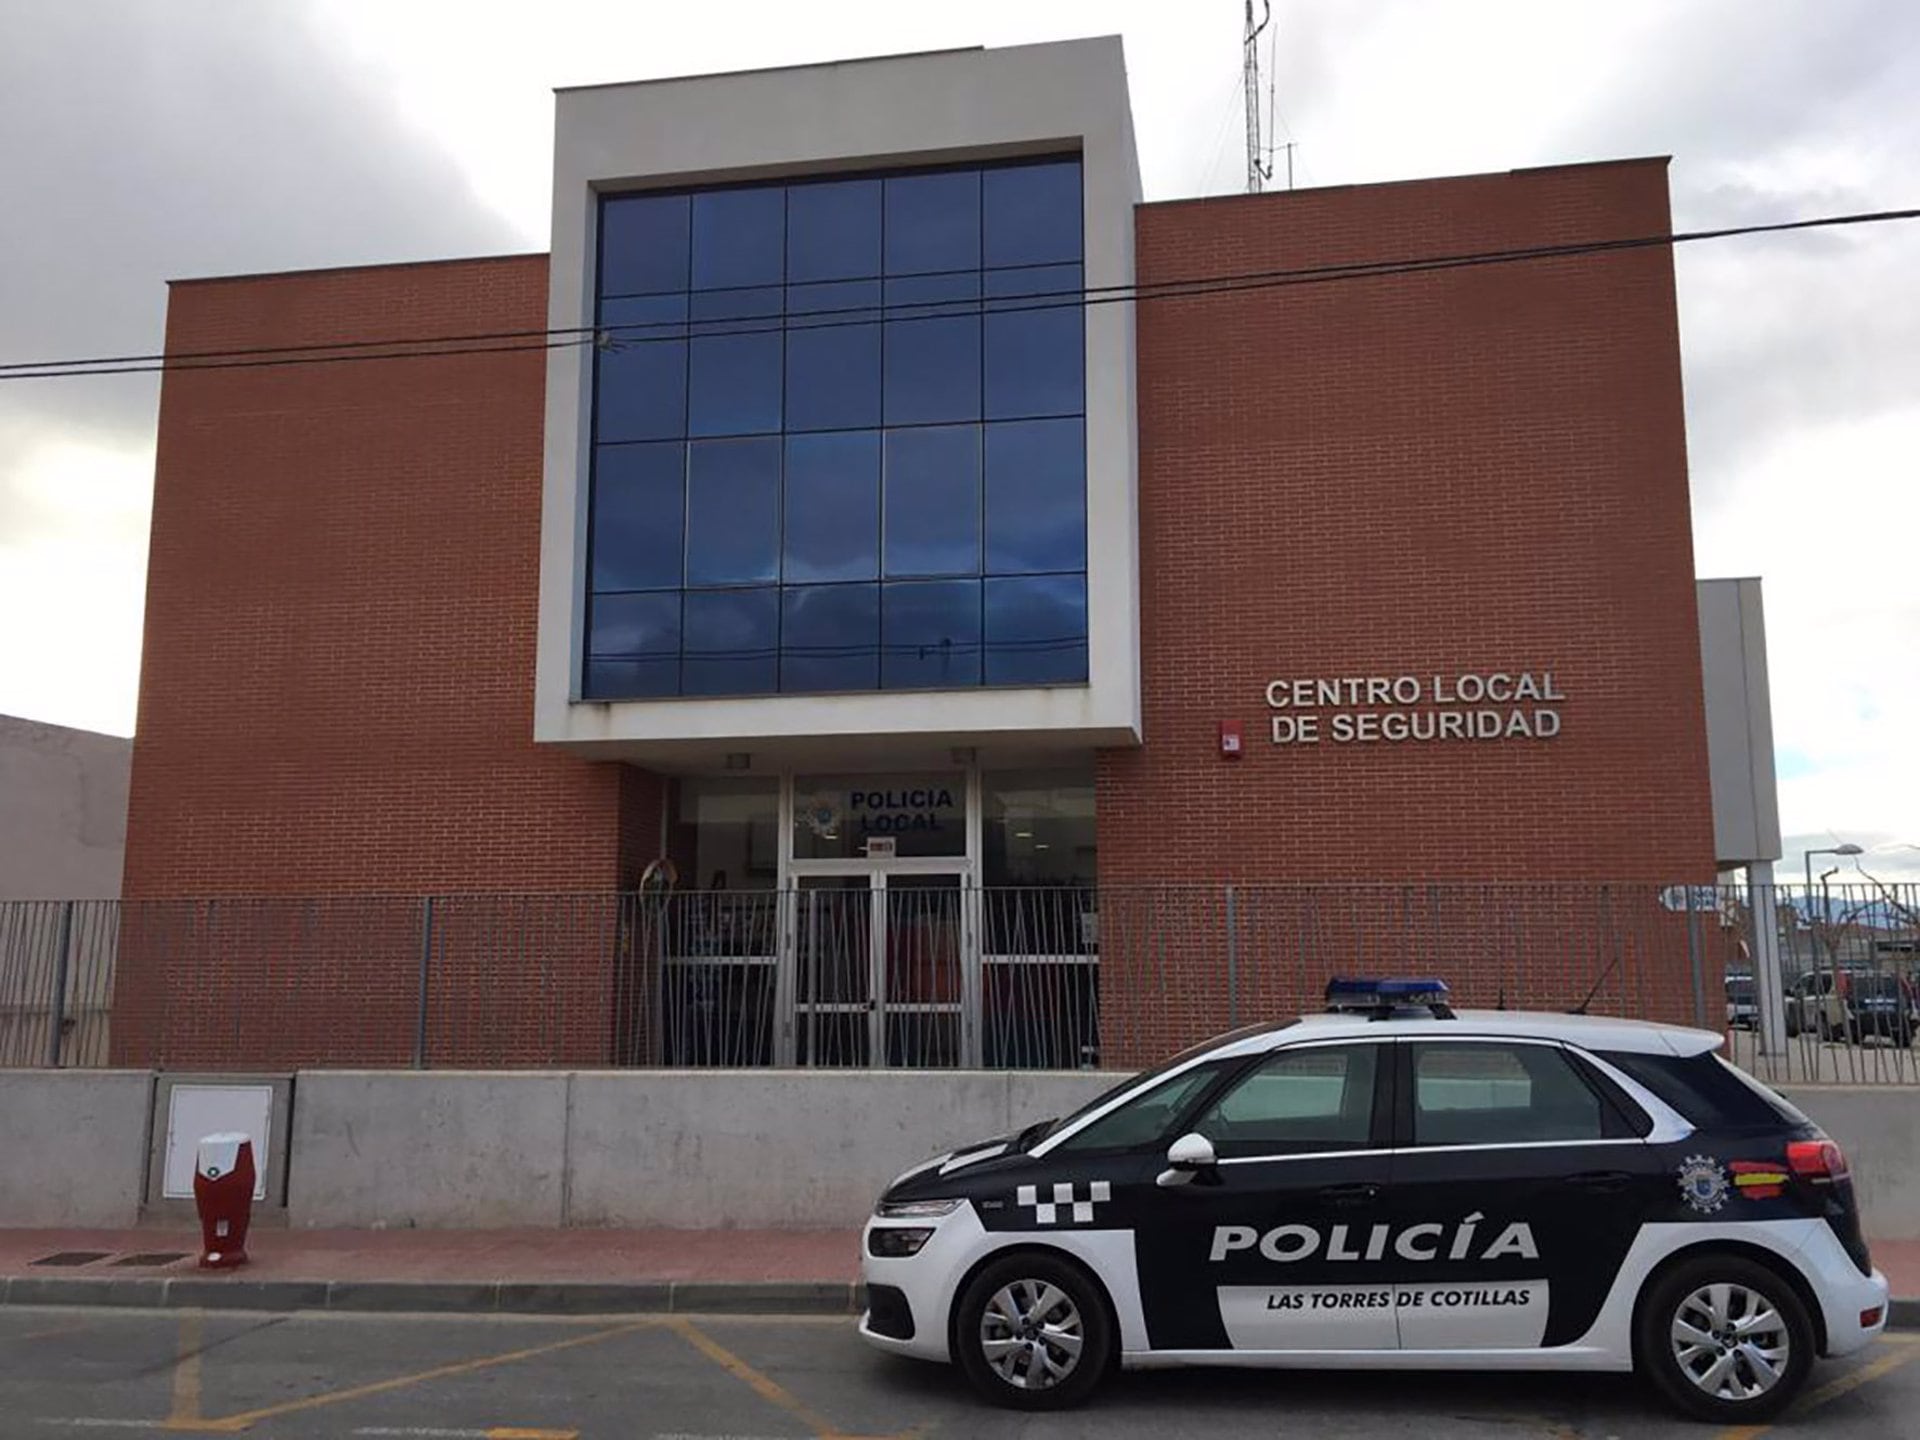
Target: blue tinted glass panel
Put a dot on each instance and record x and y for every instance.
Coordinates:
(1033, 214)
(1035, 343)
(733, 512)
(932, 371)
(932, 296)
(745, 310)
(640, 378)
(643, 244)
(739, 238)
(833, 377)
(733, 639)
(1036, 496)
(930, 634)
(733, 384)
(830, 638)
(639, 516)
(837, 302)
(833, 231)
(933, 222)
(933, 501)
(633, 645)
(833, 507)
(1037, 630)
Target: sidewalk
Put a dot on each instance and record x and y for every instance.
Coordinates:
(520, 1271)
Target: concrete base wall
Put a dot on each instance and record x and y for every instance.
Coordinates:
(734, 1149)
(428, 1148)
(1879, 1128)
(758, 1148)
(75, 1143)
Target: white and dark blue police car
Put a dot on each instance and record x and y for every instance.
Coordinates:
(1393, 1184)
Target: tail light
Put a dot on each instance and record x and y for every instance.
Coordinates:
(1820, 1162)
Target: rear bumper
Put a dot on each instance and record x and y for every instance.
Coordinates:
(1843, 1292)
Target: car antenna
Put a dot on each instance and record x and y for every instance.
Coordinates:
(1581, 1008)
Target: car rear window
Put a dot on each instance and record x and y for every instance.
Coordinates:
(1707, 1090)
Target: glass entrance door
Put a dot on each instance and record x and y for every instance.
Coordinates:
(833, 974)
(924, 1020)
(880, 971)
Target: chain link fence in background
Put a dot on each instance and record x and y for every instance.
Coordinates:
(924, 971)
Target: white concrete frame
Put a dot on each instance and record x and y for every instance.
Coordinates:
(838, 118)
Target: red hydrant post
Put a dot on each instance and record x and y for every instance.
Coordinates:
(223, 1177)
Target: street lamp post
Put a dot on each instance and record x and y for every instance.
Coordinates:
(1847, 849)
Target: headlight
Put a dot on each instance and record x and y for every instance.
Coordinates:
(915, 1209)
(897, 1242)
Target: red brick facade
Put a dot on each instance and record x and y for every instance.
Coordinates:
(337, 686)
(1464, 471)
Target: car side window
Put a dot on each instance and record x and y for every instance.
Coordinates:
(1296, 1101)
(1495, 1093)
(1146, 1119)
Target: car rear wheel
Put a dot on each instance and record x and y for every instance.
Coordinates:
(1726, 1339)
(1031, 1332)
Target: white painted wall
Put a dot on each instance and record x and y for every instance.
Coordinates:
(63, 811)
(946, 106)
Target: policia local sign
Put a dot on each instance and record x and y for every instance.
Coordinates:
(1363, 709)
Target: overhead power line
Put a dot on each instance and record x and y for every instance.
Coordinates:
(616, 336)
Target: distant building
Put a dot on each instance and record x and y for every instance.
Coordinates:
(63, 811)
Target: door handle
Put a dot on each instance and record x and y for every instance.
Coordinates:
(1606, 1182)
(1343, 1197)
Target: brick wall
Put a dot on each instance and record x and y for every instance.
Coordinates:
(1473, 470)
(337, 684)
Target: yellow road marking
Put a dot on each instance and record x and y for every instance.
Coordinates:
(514, 1432)
(1907, 1349)
(186, 1373)
(769, 1389)
(234, 1424)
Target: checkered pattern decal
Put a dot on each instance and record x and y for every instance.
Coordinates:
(1047, 1212)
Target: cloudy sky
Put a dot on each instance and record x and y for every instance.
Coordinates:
(147, 139)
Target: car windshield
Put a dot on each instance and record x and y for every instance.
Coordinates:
(1740, 987)
(1034, 1134)
(1876, 987)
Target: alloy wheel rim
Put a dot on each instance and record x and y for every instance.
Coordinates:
(1031, 1334)
(1730, 1342)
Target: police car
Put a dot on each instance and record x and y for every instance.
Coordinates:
(1393, 1184)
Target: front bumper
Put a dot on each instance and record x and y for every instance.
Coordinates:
(927, 1281)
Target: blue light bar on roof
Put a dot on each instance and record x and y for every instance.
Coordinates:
(1384, 994)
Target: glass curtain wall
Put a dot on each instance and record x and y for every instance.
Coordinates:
(839, 436)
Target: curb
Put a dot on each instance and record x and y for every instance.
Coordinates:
(495, 1297)
(491, 1297)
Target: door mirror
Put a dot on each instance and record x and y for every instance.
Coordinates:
(1186, 1157)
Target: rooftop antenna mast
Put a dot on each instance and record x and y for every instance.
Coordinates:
(1259, 163)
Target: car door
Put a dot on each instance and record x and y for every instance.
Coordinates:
(1518, 1183)
(1272, 1247)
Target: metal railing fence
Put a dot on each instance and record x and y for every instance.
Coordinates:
(926, 972)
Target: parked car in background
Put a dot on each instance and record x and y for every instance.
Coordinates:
(1853, 1003)
(1743, 1001)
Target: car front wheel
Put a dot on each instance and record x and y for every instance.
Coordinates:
(1031, 1333)
(1726, 1339)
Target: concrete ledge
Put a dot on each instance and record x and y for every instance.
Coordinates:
(504, 1297)
(76, 1142)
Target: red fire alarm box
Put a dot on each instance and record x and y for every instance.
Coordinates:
(1230, 739)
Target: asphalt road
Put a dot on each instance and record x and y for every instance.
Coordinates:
(301, 1377)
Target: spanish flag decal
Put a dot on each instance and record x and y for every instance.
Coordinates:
(1758, 1179)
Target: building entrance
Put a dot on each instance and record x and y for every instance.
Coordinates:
(883, 967)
